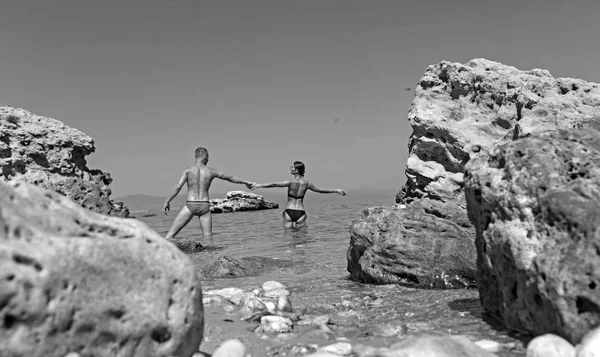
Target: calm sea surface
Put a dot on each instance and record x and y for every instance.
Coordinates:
(316, 273)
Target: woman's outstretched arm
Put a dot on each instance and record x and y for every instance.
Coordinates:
(312, 187)
(272, 184)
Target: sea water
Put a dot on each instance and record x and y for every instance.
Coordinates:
(315, 272)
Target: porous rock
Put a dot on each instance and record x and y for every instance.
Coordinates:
(459, 112)
(422, 246)
(239, 201)
(72, 280)
(47, 153)
(535, 203)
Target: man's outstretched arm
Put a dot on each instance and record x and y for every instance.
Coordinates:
(312, 187)
(182, 182)
(233, 179)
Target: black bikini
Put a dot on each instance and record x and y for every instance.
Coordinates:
(294, 214)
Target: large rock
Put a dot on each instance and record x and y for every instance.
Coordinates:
(49, 154)
(459, 112)
(390, 245)
(72, 280)
(236, 201)
(535, 204)
(462, 110)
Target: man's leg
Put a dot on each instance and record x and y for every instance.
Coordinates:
(183, 217)
(206, 224)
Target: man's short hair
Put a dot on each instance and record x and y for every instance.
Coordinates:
(201, 152)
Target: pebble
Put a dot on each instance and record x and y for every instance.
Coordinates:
(489, 345)
(550, 345)
(590, 344)
(72, 354)
(314, 320)
(275, 324)
(340, 348)
(276, 293)
(230, 348)
(270, 305)
(233, 294)
(284, 304)
(272, 285)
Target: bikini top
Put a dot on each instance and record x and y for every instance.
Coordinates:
(294, 196)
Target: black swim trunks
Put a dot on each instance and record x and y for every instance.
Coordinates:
(294, 214)
(198, 208)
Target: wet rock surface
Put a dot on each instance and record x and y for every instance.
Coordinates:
(239, 201)
(228, 267)
(535, 203)
(74, 281)
(422, 244)
(47, 153)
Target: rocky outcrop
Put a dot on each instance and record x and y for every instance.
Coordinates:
(459, 112)
(236, 201)
(535, 204)
(462, 110)
(49, 154)
(389, 245)
(72, 280)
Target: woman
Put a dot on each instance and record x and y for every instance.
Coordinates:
(294, 214)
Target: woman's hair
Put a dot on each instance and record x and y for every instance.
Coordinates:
(298, 165)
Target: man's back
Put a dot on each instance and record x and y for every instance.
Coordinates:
(199, 179)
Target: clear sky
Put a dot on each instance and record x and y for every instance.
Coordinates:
(261, 83)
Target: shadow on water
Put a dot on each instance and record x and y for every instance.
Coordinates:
(473, 307)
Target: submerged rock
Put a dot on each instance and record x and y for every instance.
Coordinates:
(47, 153)
(535, 204)
(72, 280)
(418, 246)
(187, 245)
(237, 201)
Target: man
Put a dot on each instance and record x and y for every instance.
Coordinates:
(198, 178)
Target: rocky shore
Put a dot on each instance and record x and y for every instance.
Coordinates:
(47, 153)
(521, 225)
(239, 201)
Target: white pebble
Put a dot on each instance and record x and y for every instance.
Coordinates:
(489, 345)
(272, 285)
(284, 304)
(340, 348)
(550, 345)
(276, 293)
(270, 305)
(233, 294)
(72, 354)
(230, 348)
(590, 344)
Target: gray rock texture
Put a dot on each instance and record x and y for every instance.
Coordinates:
(460, 111)
(237, 201)
(72, 280)
(47, 153)
(535, 204)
